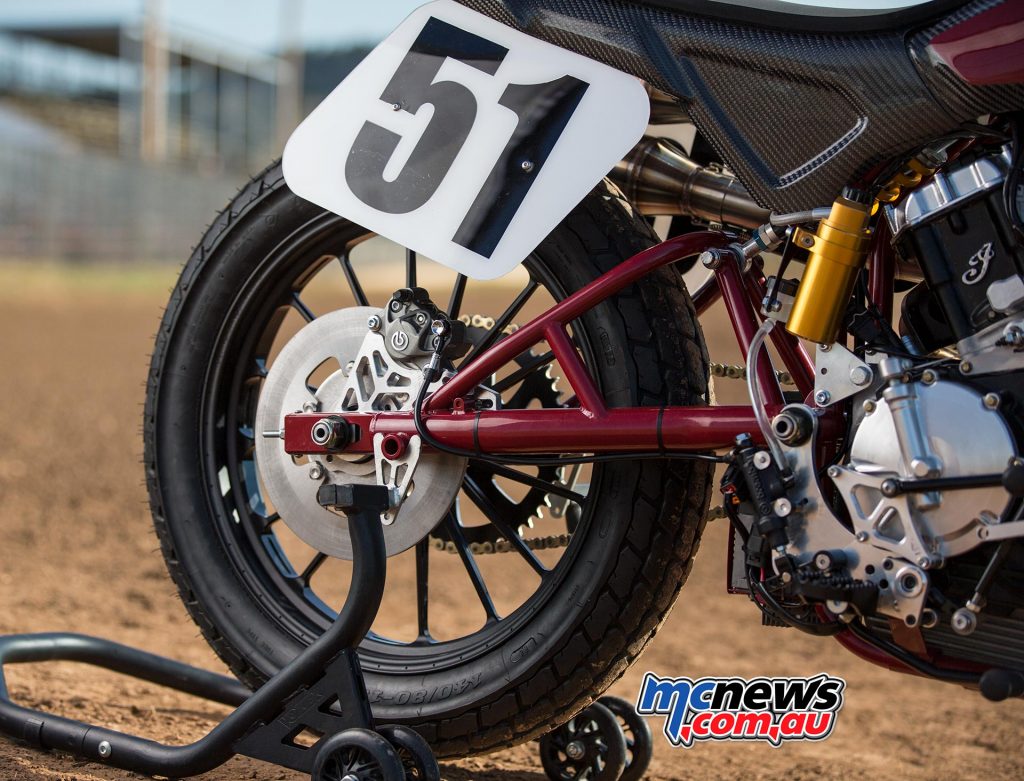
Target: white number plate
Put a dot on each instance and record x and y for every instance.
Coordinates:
(464, 139)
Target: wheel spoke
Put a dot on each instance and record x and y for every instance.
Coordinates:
(503, 321)
(410, 268)
(311, 568)
(552, 488)
(479, 498)
(451, 524)
(422, 589)
(301, 308)
(353, 280)
(524, 371)
(455, 301)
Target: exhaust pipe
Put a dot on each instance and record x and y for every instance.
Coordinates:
(659, 179)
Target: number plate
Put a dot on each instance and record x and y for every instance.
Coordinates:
(464, 139)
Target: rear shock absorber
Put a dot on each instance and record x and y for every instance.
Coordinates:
(838, 251)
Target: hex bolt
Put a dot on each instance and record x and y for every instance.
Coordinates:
(862, 536)
(921, 468)
(834, 472)
(782, 506)
(396, 106)
(890, 488)
(869, 406)
(822, 398)
(104, 749)
(861, 375)
(964, 622)
(575, 750)
(316, 472)
(526, 165)
(966, 367)
(929, 618)
(806, 241)
(991, 400)
(309, 406)
(929, 377)
(762, 460)
(711, 258)
(373, 322)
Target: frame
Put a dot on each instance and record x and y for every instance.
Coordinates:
(590, 426)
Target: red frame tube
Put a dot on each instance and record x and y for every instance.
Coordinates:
(553, 430)
(567, 310)
(794, 357)
(882, 271)
(745, 323)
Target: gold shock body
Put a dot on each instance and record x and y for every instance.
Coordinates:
(838, 252)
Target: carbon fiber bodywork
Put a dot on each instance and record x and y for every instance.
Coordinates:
(795, 114)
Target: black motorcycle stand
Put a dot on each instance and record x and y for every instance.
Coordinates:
(319, 696)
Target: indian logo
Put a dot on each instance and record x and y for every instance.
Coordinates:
(979, 264)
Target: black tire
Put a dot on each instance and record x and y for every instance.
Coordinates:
(357, 753)
(639, 743)
(417, 757)
(625, 574)
(595, 733)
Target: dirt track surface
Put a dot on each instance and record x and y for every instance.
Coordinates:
(78, 553)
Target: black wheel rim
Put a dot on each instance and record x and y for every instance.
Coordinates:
(582, 733)
(248, 529)
(352, 761)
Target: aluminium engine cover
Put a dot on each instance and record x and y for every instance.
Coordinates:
(968, 437)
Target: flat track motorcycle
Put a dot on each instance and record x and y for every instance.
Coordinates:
(536, 394)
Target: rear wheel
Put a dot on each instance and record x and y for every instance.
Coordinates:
(520, 602)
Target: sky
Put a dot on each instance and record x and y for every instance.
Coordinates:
(251, 23)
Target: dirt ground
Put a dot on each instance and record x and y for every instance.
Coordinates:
(77, 553)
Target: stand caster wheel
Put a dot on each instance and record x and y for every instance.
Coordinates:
(589, 746)
(357, 755)
(639, 744)
(417, 757)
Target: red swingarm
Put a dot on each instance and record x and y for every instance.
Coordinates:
(589, 426)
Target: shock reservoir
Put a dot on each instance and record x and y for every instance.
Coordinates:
(838, 251)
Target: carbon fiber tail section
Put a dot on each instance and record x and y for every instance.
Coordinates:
(796, 114)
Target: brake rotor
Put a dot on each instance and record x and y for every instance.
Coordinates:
(336, 345)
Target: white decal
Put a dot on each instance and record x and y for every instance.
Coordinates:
(979, 264)
(465, 140)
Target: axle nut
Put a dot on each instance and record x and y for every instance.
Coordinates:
(330, 433)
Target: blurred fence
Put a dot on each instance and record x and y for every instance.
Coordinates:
(80, 206)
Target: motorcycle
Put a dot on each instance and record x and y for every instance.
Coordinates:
(853, 197)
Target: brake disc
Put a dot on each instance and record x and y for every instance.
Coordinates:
(338, 345)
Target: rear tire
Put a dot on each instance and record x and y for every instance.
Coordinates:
(626, 571)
